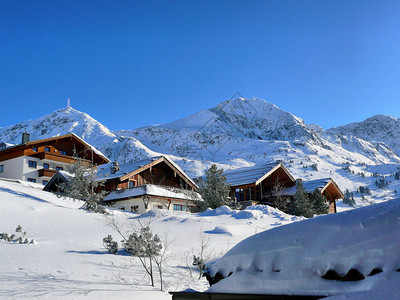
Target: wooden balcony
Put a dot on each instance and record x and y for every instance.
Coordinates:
(54, 157)
(46, 172)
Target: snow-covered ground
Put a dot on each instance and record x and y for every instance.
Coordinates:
(354, 252)
(68, 259)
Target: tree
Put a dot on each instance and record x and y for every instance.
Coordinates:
(82, 185)
(320, 205)
(348, 198)
(281, 202)
(140, 242)
(301, 205)
(214, 190)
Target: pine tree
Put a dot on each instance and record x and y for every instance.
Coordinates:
(82, 185)
(214, 190)
(320, 205)
(302, 205)
(348, 198)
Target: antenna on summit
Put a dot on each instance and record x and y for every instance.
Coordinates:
(68, 103)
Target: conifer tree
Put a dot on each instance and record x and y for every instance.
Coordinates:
(302, 205)
(320, 205)
(348, 198)
(214, 190)
(82, 185)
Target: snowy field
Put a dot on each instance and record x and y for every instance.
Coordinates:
(68, 259)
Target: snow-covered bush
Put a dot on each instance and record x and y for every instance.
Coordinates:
(110, 244)
(12, 238)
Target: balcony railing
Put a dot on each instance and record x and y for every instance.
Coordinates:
(46, 172)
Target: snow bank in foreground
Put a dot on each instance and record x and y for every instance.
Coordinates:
(251, 212)
(293, 259)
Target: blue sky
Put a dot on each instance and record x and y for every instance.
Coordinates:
(135, 63)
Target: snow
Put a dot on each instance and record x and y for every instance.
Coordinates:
(68, 260)
(248, 175)
(149, 189)
(309, 186)
(292, 259)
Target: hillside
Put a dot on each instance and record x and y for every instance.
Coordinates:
(68, 260)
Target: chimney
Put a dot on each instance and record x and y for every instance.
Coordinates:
(25, 137)
(114, 167)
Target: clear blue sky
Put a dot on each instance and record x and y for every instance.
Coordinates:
(130, 64)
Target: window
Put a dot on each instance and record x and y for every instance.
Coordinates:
(35, 149)
(46, 166)
(32, 164)
(31, 179)
(45, 182)
(121, 207)
(135, 208)
(63, 152)
(179, 207)
(160, 207)
(59, 168)
(132, 183)
(1, 168)
(47, 149)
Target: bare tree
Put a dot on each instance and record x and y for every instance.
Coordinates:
(280, 201)
(140, 242)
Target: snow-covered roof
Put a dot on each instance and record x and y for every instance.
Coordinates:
(250, 175)
(316, 256)
(309, 186)
(104, 172)
(152, 190)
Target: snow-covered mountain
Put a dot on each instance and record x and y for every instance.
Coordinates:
(377, 129)
(242, 132)
(65, 120)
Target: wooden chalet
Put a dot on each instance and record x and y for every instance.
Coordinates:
(253, 185)
(326, 186)
(38, 161)
(154, 183)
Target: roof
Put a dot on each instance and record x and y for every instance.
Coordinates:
(331, 254)
(130, 169)
(152, 190)
(71, 134)
(311, 185)
(254, 174)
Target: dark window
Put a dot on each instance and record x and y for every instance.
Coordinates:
(59, 168)
(32, 164)
(46, 166)
(35, 149)
(47, 149)
(179, 207)
(135, 208)
(45, 182)
(63, 152)
(1, 168)
(31, 179)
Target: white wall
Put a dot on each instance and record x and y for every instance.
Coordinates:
(153, 204)
(13, 168)
(18, 168)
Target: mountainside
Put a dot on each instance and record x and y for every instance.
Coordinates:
(243, 132)
(377, 129)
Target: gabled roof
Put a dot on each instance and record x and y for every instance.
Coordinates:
(254, 175)
(311, 185)
(128, 170)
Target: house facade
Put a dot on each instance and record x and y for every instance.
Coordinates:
(37, 161)
(153, 183)
(258, 185)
